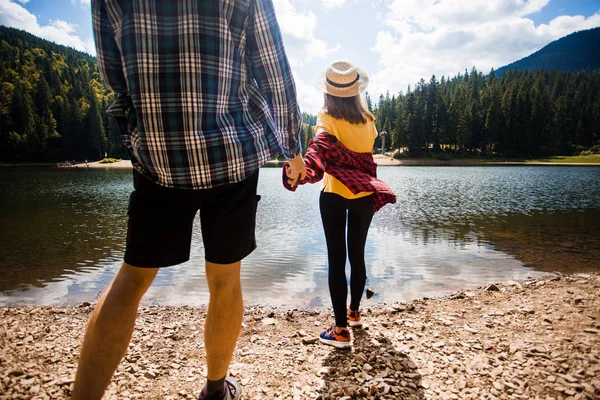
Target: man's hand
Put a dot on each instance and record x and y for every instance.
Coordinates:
(296, 170)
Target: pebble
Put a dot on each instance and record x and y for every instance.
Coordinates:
(536, 339)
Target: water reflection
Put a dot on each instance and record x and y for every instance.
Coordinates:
(63, 232)
(565, 241)
(58, 221)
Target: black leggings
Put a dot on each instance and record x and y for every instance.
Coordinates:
(333, 215)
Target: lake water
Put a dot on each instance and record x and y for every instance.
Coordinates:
(452, 228)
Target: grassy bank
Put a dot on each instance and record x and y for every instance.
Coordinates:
(591, 159)
(448, 160)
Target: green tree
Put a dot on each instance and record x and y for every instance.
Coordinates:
(540, 118)
(22, 129)
(94, 128)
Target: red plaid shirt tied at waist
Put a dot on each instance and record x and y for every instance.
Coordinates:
(357, 171)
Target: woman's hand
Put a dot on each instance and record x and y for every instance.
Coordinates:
(296, 170)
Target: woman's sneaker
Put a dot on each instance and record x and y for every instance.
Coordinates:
(354, 318)
(233, 391)
(341, 340)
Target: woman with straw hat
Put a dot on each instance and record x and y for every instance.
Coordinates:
(341, 155)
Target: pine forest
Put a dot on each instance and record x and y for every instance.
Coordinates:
(52, 103)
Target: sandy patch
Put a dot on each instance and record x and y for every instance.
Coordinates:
(122, 164)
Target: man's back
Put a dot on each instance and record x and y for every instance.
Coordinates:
(209, 96)
(210, 82)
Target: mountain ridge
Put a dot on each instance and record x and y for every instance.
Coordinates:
(571, 53)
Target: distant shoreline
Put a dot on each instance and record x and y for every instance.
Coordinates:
(380, 160)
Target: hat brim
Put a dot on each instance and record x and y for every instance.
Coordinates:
(354, 90)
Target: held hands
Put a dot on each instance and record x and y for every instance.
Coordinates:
(296, 170)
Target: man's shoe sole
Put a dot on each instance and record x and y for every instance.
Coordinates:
(355, 324)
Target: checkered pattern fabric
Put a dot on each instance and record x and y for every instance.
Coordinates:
(209, 82)
(357, 171)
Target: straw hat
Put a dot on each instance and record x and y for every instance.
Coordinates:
(343, 79)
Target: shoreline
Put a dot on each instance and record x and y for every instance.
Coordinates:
(537, 338)
(380, 160)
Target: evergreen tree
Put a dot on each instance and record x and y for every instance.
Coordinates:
(432, 119)
(540, 118)
(495, 124)
(22, 128)
(94, 129)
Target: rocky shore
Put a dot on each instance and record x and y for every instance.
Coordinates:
(535, 339)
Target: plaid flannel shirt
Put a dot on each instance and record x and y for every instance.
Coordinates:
(357, 171)
(211, 91)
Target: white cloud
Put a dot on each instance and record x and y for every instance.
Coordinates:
(310, 98)
(427, 15)
(332, 4)
(61, 32)
(23, 1)
(298, 29)
(444, 37)
(82, 2)
(64, 26)
(565, 24)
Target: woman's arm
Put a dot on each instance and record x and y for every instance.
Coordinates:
(315, 169)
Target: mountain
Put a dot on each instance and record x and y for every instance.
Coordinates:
(25, 40)
(575, 52)
(51, 102)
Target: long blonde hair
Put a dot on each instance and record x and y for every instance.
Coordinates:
(352, 109)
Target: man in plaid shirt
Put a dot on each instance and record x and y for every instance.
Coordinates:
(210, 99)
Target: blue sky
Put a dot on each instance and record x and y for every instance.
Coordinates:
(397, 42)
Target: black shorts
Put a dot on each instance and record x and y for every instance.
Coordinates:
(159, 230)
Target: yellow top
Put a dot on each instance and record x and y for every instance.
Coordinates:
(358, 138)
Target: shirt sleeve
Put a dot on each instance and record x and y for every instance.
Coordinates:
(374, 131)
(329, 124)
(324, 121)
(272, 72)
(109, 55)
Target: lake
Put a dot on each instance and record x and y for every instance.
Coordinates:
(452, 228)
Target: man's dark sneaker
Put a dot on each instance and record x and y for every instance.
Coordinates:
(233, 391)
(341, 340)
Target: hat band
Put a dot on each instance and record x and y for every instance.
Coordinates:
(343, 85)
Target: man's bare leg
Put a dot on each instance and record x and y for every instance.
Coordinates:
(109, 331)
(224, 317)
